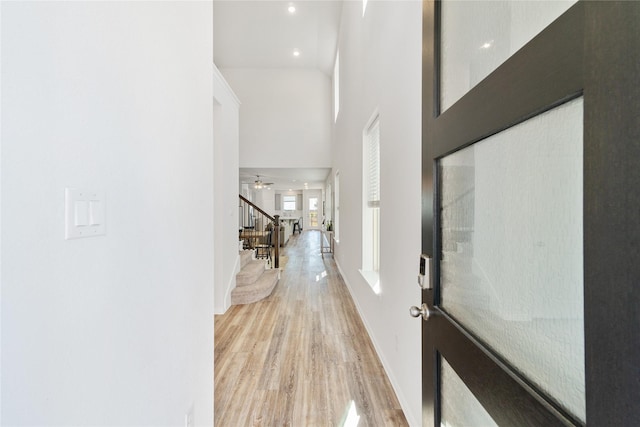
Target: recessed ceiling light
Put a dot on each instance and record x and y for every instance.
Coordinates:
(296, 52)
(291, 9)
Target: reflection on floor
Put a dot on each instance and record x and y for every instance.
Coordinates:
(302, 356)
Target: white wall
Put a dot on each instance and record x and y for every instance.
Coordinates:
(226, 148)
(118, 329)
(285, 117)
(380, 60)
(265, 199)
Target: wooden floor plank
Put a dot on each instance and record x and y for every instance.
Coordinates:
(301, 357)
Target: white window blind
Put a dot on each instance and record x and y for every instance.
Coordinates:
(289, 203)
(371, 202)
(336, 87)
(373, 154)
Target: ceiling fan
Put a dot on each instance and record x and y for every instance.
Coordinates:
(259, 184)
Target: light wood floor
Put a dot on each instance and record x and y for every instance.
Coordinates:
(302, 356)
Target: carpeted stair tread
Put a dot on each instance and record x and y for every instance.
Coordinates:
(250, 272)
(245, 257)
(256, 291)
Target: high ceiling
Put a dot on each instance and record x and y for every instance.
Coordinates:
(264, 34)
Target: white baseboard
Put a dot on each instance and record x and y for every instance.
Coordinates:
(401, 398)
(231, 284)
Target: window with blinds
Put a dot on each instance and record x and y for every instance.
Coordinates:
(289, 203)
(336, 87)
(371, 202)
(372, 147)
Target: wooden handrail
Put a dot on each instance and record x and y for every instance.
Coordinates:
(249, 202)
(275, 232)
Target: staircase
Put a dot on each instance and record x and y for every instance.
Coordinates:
(256, 226)
(254, 282)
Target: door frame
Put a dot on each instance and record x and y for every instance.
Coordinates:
(306, 194)
(592, 51)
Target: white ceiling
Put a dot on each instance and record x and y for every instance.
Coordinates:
(263, 34)
(286, 178)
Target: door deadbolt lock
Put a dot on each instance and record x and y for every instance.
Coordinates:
(425, 276)
(423, 311)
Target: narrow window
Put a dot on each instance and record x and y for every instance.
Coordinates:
(336, 222)
(371, 203)
(336, 87)
(289, 203)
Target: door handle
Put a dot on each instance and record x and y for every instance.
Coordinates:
(422, 311)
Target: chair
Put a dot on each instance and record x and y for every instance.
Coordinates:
(297, 225)
(263, 250)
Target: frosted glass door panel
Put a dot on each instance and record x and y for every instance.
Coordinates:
(512, 248)
(478, 36)
(460, 408)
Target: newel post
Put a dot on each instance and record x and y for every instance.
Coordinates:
(276, 240)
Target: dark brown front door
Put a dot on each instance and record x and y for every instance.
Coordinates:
(531, 213)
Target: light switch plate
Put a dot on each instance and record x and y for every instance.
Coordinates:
(84, 213)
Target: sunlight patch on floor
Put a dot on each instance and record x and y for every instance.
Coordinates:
(352, 418)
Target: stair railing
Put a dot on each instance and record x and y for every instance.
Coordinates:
(254, 228)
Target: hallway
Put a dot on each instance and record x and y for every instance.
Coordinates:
(301, 357)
